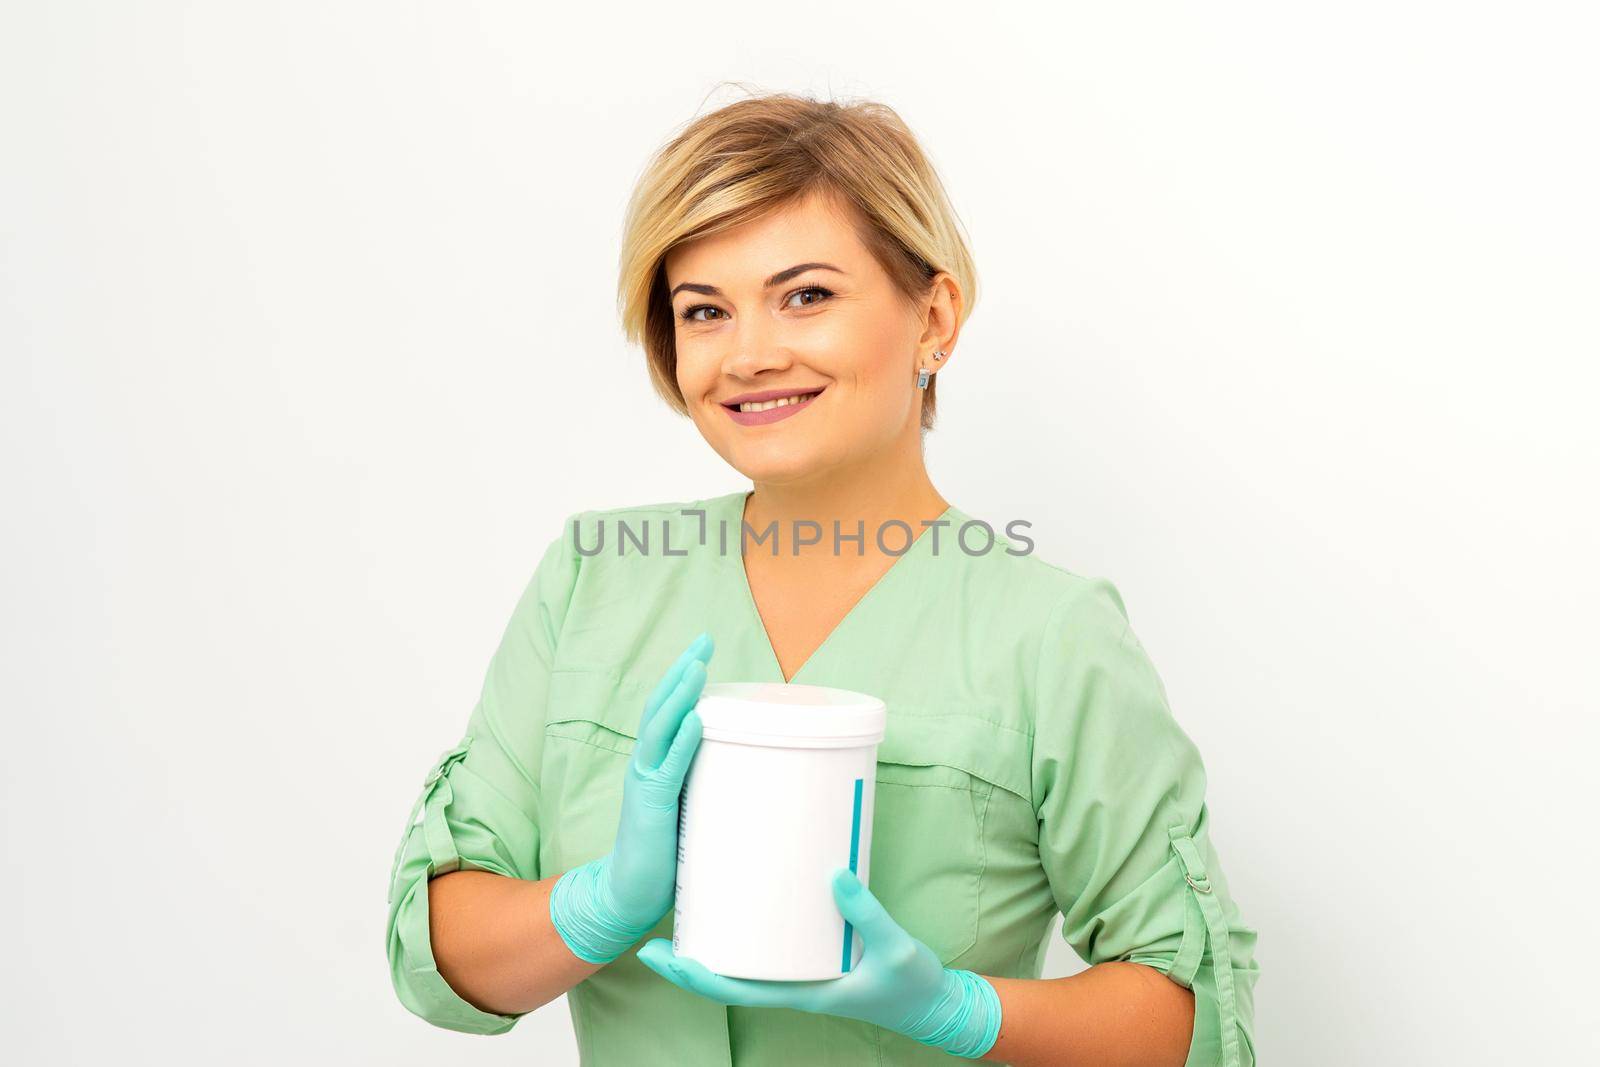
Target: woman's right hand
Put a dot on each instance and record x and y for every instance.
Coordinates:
(602, 908)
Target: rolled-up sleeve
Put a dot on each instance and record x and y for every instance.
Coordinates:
(1124, 831)
(478, 808)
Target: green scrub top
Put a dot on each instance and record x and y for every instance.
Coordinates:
(1031, 765)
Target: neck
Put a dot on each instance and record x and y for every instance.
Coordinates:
(871, 492)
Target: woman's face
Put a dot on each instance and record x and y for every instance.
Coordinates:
(748, 323)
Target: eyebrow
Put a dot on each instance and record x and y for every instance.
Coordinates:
(777, 279)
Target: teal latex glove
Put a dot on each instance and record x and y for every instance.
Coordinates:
(603, 907)
(899, 983)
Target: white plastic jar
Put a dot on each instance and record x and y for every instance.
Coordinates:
(779, 796)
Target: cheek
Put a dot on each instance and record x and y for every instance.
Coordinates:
(696, 374)
(878, 362)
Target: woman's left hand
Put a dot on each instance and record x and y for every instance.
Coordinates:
(899, 983)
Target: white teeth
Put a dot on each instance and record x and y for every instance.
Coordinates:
(780, 402)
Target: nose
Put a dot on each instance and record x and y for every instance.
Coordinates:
(755, 349)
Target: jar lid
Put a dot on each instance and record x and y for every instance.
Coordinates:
(788, 715)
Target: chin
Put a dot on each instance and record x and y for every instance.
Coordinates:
(778, 468)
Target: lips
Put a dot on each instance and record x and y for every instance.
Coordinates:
(772, 414)
(769, 394)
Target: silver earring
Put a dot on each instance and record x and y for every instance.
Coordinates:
(922, 377)
(937, 356)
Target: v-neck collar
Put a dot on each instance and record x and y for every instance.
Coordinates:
(733, 512)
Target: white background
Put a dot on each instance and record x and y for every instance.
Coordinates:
(307, 314)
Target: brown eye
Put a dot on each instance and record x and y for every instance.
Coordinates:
(689, 312)
(824, 294)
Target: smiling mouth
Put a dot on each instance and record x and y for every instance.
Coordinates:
(767, 412)
(767, 405)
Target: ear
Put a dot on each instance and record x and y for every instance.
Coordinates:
(941, 320)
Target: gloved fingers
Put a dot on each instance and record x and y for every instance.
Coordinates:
(692, 975)
(657, 737)
(676, 765)
(699, 649)
(857, 904)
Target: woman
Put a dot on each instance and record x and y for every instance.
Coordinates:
(788, 248)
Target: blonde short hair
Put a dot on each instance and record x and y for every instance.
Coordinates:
(737, 163)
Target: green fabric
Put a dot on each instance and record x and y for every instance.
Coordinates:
(1031, 765)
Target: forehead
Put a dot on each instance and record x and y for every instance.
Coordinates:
(813, 228)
